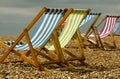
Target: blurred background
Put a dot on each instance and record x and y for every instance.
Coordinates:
(16, 14)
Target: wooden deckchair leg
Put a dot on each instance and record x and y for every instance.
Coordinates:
(93, 30)
(31, 47)
(80, 43)
(52, 60)
(34, 57)
(59, 50)
(27, 53)
(113, 39)
(96, 34)
(69, 53)
(99, 39)
(44, 55)
(51, 54)
(57, 46)
(9, 49)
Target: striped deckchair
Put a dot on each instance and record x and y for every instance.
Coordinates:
(110, 22)
(47, 20)
(85, 30)
(116, 30)
(70, 29)
(87, 18)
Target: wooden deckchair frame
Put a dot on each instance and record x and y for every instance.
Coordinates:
(97, 37)
(81, 58)
(32, 51)
(92, 29)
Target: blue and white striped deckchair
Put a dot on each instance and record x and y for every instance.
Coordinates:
(44, 30)
(47, 20)
(83, 28)
(86, 30)
(116, 30)
(87, 18)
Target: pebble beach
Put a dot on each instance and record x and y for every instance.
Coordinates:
(102, 65)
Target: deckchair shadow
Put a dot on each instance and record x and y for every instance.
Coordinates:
(47, 19)
(70, 29)
(107, 29)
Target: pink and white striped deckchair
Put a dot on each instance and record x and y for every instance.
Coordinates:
(110, 22)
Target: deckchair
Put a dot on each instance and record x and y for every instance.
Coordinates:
(87, 29)
(107, 29)
(116, 30)
(69, 30)
(48, 20)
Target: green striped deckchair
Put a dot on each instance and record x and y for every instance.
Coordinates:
(70, 29)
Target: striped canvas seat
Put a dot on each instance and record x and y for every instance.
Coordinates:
(88, 17)
(41, 35)
(108, 27)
